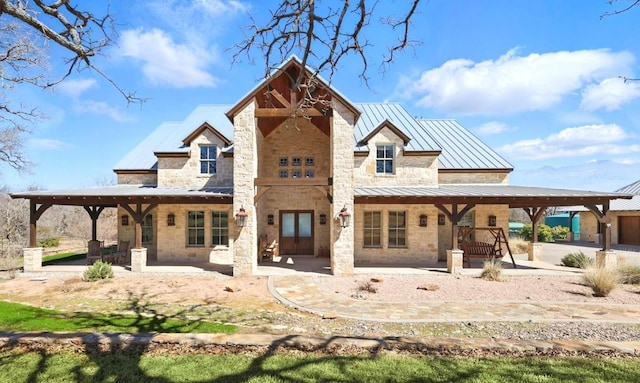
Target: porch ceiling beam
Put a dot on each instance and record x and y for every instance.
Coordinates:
(512, 201)
(288, 112)
(280, 98)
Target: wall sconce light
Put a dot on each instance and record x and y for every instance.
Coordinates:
(323, 219)
(441, 220)
(345, 217)
(423, 220)
(492, 220)
(241, 217)
(125, 220)
(270, 219)
(171, 219)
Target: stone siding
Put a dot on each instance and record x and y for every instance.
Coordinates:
(422, 242)
(137, 179)
(245, 170)
(128, 233)
(342, 248)
(589, 227)
(471, 177)
(408, 170)
(185, 172)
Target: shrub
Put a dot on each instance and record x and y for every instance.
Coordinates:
(629, 274)
(492, 270)
(544, 233)
(579, 260)
(99, 270)
(49, 242)
(559, 232)
(601, 280)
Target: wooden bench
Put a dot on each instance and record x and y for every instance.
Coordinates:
(267, 250)
(482, 250)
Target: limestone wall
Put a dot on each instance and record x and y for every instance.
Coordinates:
(408, 170)
(422, 242)
(137, 179)
(304, 198)
(589, 227)
(172, 240)
(471, 177)
(185, 172)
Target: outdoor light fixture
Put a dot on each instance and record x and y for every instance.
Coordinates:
(269, 219)
(345, 217)
(441, 219)
(125, 220)
(423, 220)
(323, 219)
(241, 217)
(171, 219)
(492, 220)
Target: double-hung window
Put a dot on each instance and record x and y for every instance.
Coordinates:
(384, 159)
(147, 229)
(195, 228)
(372, 228)
(208, 155)
(219, 228)
(397, 229)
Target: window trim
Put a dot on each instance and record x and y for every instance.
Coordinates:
(225, 226)
(372, 229)
(386, 159)
(396, 230)
(196, 228)
(209, 160)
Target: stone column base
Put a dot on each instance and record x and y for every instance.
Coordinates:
(32, 258)
(139, 260)
(534, 251)
(607, 258)
(454, 261)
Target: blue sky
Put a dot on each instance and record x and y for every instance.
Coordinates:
(536, 80)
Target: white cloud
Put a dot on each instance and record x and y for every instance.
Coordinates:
(492, 127)
(75, 88)
(101, 108)
(512, 83)
(166, 62)
(48, 143)
(610, 94)
(588, 140)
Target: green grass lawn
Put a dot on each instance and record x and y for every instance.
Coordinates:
(63, 257)
(17, 317)
(95, 366)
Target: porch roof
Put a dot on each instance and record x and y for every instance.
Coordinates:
(125, 194)
(512, 195)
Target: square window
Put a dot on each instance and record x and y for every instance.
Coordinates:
(296, 173)
(308, 173)
(284, 161)
(284, 174)
(296, 161)
(309, 161)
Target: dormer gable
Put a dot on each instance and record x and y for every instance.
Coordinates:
(201, 129)
(389, 125)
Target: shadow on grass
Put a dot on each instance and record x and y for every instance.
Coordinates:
(332, 360)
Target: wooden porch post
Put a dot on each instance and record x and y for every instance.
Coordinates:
(34, 214)
(94, 213)
(138, 217)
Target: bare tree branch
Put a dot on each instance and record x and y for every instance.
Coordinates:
(322, 36)
(619, 11)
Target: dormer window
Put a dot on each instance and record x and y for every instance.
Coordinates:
(384, 159)
(208, 155)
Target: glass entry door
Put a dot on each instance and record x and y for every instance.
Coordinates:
(296, 232)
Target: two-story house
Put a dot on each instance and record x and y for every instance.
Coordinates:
(306, 167)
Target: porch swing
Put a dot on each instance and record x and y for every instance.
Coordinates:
(484, 250)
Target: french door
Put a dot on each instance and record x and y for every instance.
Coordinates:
(296, 232)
